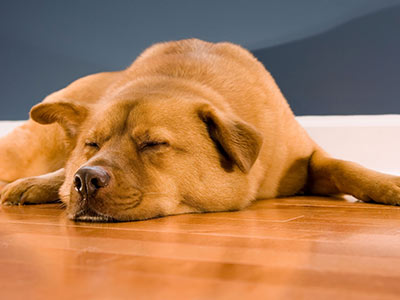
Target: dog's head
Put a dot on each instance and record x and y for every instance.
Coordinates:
(141, 158)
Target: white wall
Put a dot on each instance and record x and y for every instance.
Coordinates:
(373, 141)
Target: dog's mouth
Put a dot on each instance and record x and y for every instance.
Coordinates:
(88, 214)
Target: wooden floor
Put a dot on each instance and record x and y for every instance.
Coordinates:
(292, 248)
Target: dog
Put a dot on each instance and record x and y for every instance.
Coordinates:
(189, 127)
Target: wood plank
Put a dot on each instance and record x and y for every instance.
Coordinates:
(292, 248)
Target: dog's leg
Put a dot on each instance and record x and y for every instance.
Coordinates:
(33, 190)
(333, 176)
(30, 150)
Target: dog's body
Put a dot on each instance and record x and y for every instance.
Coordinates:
(190, 126)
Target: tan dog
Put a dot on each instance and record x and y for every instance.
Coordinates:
(190, 126)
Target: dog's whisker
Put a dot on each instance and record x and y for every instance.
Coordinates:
(61, 205)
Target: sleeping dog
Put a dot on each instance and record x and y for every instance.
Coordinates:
(190, 126)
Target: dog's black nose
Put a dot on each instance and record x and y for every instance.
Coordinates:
(89, 179)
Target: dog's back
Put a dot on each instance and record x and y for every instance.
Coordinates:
(248, 90)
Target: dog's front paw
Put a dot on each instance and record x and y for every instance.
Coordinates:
(385, 191)
(392, 193)
(32, 190)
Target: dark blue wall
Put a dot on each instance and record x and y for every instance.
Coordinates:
(329, 57)
(351, 69)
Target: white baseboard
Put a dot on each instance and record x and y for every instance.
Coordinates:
(8, 126)
(373, 140)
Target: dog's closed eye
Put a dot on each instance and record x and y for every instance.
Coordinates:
(153, 145)
(91, 144)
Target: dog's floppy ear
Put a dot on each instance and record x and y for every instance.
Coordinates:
(69, 116)
(240, 141)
